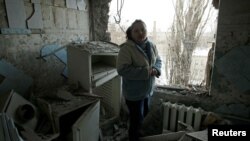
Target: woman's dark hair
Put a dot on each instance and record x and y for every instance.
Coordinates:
(128, 33)
(129, 30)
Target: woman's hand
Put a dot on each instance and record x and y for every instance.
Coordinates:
(154, 72)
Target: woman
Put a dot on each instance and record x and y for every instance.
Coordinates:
(138, 63)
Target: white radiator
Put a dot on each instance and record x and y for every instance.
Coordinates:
(173, 113)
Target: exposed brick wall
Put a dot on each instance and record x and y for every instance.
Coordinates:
(61, 25)
(100, 19)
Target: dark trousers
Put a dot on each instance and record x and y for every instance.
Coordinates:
(137, 111)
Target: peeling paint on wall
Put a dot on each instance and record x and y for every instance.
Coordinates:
(60, 26)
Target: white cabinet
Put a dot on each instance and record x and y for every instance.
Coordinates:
(92, 65)
(86, 128)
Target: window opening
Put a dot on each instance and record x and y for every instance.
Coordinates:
(172, 25)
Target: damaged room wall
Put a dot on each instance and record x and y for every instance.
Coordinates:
(62, 22)
(230, 85)
(99, 21)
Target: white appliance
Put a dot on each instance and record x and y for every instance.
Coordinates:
(92, 65)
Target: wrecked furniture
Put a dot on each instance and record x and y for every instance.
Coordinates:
(12, 78)
(8, 130)
(27, 117)
(23, 112)
(92, 66)
(92, 63)
(75, 118)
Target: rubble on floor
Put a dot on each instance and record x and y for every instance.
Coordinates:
(59, 114)
(188, 90)
(53, 115)
(8, 131)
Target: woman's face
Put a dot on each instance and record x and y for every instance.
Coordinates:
(139, 32)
